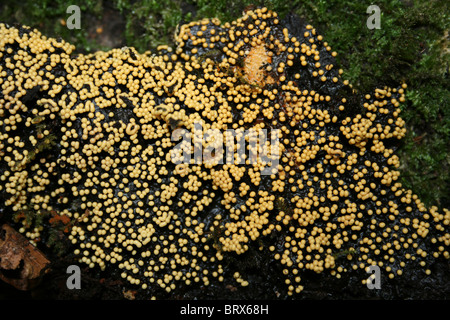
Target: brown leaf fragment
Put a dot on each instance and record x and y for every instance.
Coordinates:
(129, 294)
(21, 264)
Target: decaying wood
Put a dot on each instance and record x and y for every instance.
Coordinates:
(21, 264)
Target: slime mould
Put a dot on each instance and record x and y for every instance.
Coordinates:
(91, 138)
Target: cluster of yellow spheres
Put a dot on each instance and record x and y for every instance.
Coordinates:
(90, 138)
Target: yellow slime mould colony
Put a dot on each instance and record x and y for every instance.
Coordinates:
(89, 138)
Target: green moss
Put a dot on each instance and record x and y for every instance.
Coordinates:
(345, 253)
(150, 23)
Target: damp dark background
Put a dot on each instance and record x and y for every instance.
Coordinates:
(410, 46)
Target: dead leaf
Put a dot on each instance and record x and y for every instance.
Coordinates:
(129, 294)
(21, 264)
